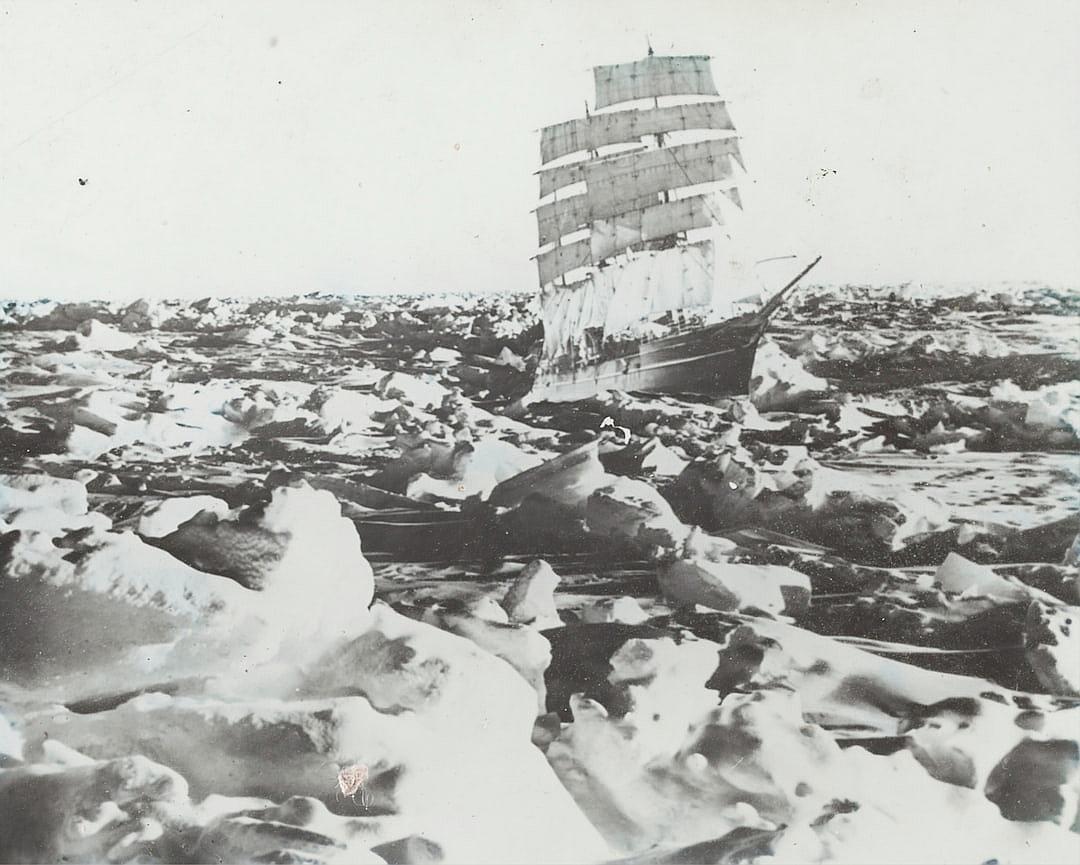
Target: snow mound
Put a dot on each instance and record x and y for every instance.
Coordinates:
(473, 469)
(530, 600)
(93, 335)
(403, 700)
(297, 549)
(780, 381)
(625, 610)
(630, 511)
(725, 585)
(1056, 406)
(411, 390)
(166, 516)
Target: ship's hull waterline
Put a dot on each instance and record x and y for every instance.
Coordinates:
(717, 360)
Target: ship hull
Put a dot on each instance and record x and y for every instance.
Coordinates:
(717, 360)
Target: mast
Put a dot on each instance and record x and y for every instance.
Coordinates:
(656, 104)
(660, 138)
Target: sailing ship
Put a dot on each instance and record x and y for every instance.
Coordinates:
(643, 285)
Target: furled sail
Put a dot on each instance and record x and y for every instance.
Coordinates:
(653, 76)
(623, 127)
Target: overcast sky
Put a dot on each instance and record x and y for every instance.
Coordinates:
(283, 147)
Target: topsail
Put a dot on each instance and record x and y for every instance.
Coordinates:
(611, 183)
(659, 169)
(623, 127)
(654, 76)
(609, 237)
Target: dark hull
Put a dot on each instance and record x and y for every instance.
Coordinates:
(717, 360)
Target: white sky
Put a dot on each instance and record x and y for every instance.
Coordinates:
(282, 147)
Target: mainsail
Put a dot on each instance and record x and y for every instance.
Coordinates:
(619, 215)
(644, 286)
(567, 311)
(658, 282)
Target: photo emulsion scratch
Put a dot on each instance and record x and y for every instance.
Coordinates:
(495, 431)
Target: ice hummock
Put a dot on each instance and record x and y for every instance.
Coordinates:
(301, 537)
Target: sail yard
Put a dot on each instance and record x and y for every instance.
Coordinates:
(618, 201)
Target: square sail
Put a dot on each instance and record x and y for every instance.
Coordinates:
(653, 76)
